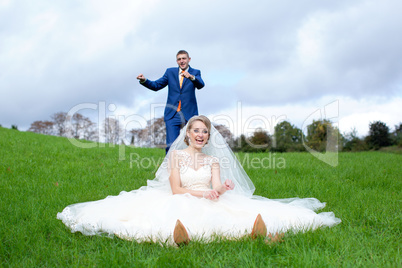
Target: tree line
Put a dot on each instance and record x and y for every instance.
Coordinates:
(321, 135)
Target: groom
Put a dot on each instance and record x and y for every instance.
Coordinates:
(181, 103)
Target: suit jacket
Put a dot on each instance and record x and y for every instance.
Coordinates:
(186, 94)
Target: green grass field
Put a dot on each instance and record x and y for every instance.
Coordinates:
(40, 175)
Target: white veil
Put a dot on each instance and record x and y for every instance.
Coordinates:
(230, 167)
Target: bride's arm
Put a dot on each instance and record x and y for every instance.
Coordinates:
(175, 182)
(216, 180)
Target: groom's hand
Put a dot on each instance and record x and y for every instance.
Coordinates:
(142, 78)
(188, 75)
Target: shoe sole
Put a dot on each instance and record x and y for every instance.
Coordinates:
(259, 227)
(180, 234)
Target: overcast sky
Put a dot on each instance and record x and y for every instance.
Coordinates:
(262, 61)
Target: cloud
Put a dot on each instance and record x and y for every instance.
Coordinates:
(264, 54)
(353, 52)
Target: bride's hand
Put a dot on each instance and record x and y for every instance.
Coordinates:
(211, 194)
(228, 184)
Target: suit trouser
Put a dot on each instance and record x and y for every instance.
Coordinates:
(173, 127)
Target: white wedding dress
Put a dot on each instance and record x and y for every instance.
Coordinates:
(150, 213)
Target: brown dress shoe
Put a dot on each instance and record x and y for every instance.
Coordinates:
(180, 234)
(259, 228)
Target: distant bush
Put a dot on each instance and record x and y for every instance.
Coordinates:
(397, 135)
(323, 136)
(288, 138)
(379, 135)
(352, 143)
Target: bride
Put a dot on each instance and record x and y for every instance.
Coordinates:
(200, 191)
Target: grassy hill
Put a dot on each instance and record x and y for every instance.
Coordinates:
(40, 175)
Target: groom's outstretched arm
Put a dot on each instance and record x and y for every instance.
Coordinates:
(153, 85)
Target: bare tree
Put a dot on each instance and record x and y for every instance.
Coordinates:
(80, 127)
(144, 138)
(153, 135)
(59, 120)
(157, 132)
(62, 124)
(113, 131)
(77, 125)
(225, 132)
(136, 137)
(42, 127)
(90, 131)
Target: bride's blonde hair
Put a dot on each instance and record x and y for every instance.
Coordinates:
(190, 123)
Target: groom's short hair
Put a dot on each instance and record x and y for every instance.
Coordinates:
(182, 52)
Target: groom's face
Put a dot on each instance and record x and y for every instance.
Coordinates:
(183, 60)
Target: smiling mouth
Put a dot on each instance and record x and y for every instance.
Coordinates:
(199, 141)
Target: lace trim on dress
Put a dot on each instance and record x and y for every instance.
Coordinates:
(88, 226)
(185, 160)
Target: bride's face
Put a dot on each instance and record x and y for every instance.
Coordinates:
(198, 134)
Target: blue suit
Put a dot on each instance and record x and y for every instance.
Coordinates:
(173, 119)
